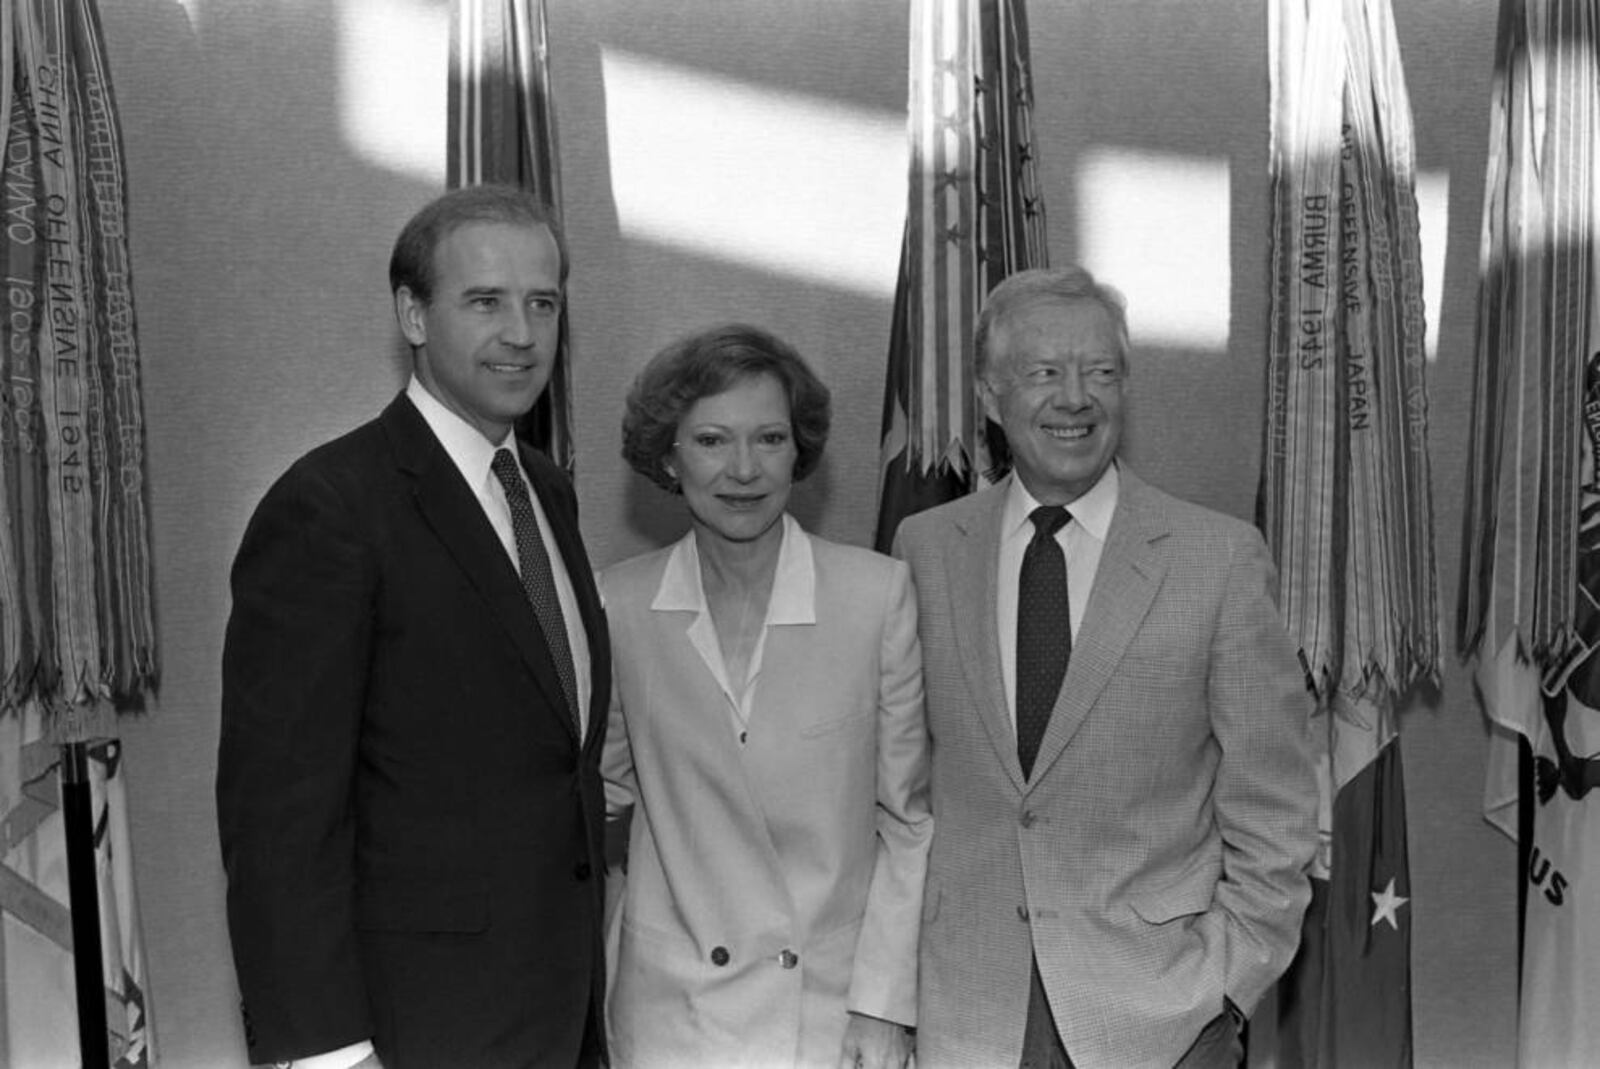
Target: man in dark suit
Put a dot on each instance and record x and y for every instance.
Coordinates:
(415, 681)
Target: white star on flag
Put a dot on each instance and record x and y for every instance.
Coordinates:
(1385, 904)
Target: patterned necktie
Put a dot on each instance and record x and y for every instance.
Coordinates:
(1044, 630)
(537, 578)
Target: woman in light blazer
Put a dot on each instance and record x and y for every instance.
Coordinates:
(767, 729)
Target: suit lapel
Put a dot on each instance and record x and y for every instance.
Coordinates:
(703, 723)
(972, 552)
(1125, 584)
(448, 506)
(786, 667)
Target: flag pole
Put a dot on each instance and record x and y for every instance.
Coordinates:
(83, 889)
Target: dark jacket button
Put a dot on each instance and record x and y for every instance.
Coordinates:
(719, 955)
(582, 871)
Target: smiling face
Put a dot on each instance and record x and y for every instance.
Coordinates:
(485, 343)
(734, 460)
(1055, 383)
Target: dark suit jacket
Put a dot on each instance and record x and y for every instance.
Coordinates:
(411, 829)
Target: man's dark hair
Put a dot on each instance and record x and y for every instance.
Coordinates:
(411, 262)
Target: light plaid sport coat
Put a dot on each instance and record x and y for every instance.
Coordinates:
(1156, 861)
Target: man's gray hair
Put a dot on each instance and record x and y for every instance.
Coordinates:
(1042, 285)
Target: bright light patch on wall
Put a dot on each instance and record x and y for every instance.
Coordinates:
(393, 65)
(1433, 220)
(803, 186)
(1155, 226)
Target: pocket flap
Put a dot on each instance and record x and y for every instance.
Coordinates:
(1191, 893)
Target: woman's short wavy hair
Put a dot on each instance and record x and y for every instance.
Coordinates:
(707, 363)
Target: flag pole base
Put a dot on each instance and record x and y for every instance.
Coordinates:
(77, 809)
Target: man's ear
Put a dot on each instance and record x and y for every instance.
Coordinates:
(990, 397)
(409, 309)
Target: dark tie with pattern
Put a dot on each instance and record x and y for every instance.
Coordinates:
(1044, 630)
(537, 578)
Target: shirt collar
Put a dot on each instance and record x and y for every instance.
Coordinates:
(1092, 510)
(471, 452)
(794, 583)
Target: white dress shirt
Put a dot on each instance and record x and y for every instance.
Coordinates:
(1082, 540)
(793, 601)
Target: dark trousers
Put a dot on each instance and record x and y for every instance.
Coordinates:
(1219, 1045)
(593, 1055)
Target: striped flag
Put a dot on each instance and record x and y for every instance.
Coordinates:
(1345, 501)
(38, 997)
(974, 214)
(1530, 581)
(502, 130)
(74, 536)
(77, 633)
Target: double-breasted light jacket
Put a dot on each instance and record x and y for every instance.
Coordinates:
(776, 860)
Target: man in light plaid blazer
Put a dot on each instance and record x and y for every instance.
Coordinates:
(1127, 899)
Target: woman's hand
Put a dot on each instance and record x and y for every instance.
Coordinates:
(873, 1043)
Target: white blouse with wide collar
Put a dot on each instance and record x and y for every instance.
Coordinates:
(793, 601)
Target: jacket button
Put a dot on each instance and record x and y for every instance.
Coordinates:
(788, 959)
(1028, 818)
(719, 956)
(582, 871)
(1022, 914)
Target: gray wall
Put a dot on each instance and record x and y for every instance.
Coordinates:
(260, 237)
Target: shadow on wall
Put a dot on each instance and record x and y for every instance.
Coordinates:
(1156, 113)
(662, 247)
